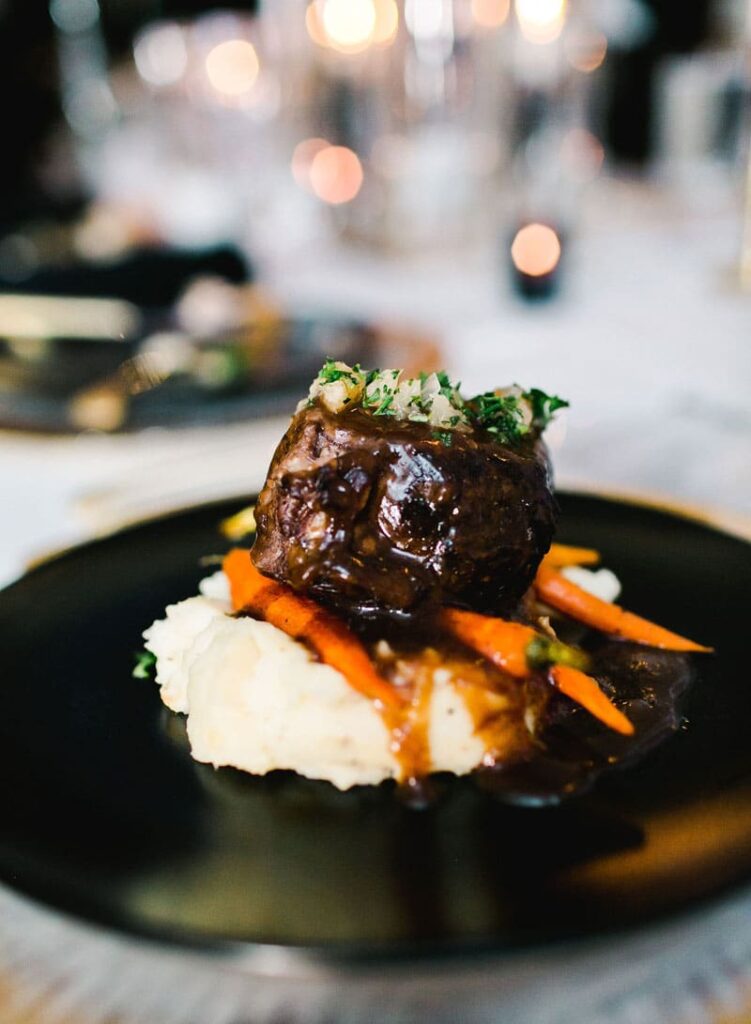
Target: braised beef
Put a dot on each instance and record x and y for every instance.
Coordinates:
(374, 516)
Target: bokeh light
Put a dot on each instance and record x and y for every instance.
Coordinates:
(302, 160)
(386, 22)
(348, 25)
(352, 26)
(490, 13)
(541, 21)
(160, 54)
(313, 24)
(232, 67)
(74, 15)
(536, 250)
(429, 20)
(336, 175)
(587, 52)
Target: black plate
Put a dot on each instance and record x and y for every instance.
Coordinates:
(105, 814)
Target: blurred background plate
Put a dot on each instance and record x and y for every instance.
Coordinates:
(171, 379)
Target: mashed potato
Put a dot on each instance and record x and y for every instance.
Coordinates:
(257, 700)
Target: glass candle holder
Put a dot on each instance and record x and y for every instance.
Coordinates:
(448, 118)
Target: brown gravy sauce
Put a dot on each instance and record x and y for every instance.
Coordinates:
(496, 705)
(410, 730)
(539, 747)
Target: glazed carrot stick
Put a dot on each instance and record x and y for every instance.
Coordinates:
(503, 643)
(303, 619)
(565, 554)
(564, 595)
(585, 691)
(519, 649)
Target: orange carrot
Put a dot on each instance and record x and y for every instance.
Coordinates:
(564, 595)
(519, 649)
(585, 691)
(303, 619)
(503, 643)
(564, 554)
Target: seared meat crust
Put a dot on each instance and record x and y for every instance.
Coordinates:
(374, 516)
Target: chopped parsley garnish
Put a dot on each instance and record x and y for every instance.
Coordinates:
(444, 436)
(380, 392)
(433, 399)
(332, 371)
(384, 407)
(145, 661)
(448, 389)
(501, 415)
(379, 401)
(543, 406)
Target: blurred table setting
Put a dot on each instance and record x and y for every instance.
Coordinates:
(203, 202)
(226, 198)
(648, 343)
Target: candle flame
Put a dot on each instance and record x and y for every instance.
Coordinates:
(541, 21)
(336, 175)
(536, 250)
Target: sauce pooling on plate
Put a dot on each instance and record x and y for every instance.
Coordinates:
(538, 747)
